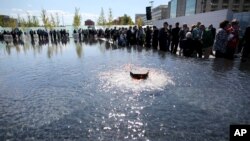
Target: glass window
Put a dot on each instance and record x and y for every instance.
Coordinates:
(246, 7)
(224, 6)
(173, 8)
(214, 6)
(190, 7)
(214, 1)
(236, 1)
(236, 6)
(247, 1)
(225, 1)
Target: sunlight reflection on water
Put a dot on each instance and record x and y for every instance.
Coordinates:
(120, 78)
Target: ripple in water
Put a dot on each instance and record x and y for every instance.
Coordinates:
(120, 79)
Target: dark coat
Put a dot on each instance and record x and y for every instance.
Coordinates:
(163, 39)
(188, 47)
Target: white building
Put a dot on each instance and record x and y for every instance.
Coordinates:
(159, 12)
(215, 18)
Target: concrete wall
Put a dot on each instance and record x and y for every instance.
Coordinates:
(205, 18)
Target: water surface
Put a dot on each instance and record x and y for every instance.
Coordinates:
(83, 91)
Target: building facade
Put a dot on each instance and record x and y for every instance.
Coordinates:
(190, 7)
(234, 5)
(178, 8)
(159, 12)
(89, 23)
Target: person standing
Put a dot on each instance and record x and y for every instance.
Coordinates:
(32, 35)
(80, 34)
(133, 36)
(221, 40)
(196, 32)
(114, 35)
(140, 36)
(148, 37)
(182, 36)
(129, 36)
(169, 37)
(246, 47)
(233, 39)
(164, 34)
(175, 38)
(206, 41)
(213, 31)
(155, 37)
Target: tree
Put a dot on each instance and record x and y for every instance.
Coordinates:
(32, 21)
(77, 18)
(8, 22)
(57, 20)
(29, 22)
(45, 19)
(35, 21)
(125, 20)
(21, 22)
(110, 17)
(52, 21)
(18, 19)
(12, 23)
(101, 19)
(139, 21)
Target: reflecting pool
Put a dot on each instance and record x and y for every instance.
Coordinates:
(83, 91)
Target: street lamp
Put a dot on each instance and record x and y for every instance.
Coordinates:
(151, 3)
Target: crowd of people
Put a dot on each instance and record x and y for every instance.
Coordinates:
(195, 41)
(17, 36)
(81, 34)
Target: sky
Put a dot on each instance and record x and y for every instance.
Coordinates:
(89, 9)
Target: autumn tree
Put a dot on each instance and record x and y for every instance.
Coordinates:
(35, 21)
(29, 22)
(139, 21)
(21, 22)
(10, 22)
(110, 17)
(57, 20)
(52, 21)
(126, 20)
(32, 21)
(77, 18)
(45, 18)
(101, 19)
